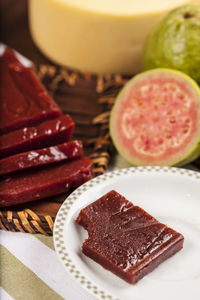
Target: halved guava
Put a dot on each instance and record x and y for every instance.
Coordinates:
(156, 119)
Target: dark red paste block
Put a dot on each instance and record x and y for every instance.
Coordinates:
(46, 134)
(24, 100)
(34, 158)
(44, 182)
(125, 239)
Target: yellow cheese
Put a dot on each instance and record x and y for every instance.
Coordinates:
(98, 36)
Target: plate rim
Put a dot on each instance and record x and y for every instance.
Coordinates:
(58, 232)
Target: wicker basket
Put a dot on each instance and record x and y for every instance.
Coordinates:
(88, 100)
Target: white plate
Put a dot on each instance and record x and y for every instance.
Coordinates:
(172, 196)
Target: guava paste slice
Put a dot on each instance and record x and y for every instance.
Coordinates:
(125, 239)
(24, 100)
(156, 119)
(45, 156)
(45, 134)
(44, 182)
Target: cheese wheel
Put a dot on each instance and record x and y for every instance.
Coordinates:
(98, 36)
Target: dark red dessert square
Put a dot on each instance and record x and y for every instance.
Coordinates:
(124, 238)
(45, 134)
(54, 179)
(41, 157)
(24, 100)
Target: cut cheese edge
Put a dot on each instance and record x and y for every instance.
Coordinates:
(125, 7)
(96, 36)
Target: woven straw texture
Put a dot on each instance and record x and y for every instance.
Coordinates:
(88, 100)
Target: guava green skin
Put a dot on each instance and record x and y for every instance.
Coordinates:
(175, 42)
(189, 156)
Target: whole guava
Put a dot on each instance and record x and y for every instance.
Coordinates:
(175, 42)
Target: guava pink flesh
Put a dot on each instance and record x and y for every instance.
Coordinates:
(156, 119)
